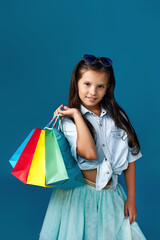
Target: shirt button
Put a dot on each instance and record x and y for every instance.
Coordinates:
(107, 172)
(103, 145)
(100, 124)
(111, 163)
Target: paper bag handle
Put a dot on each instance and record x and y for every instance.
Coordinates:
(53, 122)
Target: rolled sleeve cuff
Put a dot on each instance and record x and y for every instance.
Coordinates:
(132, 158)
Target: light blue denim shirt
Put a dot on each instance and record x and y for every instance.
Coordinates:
(113, 154)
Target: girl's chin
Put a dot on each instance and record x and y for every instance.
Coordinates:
(89, 103)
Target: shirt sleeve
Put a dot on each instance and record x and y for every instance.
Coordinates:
(70, 132)
(132, 158)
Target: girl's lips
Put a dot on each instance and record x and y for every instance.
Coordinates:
(92, 99)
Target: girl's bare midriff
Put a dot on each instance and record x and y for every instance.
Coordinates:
(91, 175)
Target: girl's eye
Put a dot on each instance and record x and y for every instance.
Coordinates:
(99, 85)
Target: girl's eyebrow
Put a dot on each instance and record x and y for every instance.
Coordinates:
(97, 84)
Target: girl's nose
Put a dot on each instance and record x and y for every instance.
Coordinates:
(92, 91)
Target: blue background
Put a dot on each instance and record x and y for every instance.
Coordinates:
(40, 43)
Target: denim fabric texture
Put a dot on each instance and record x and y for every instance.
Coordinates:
(113, 152)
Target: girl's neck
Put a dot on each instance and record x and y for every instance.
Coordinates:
(96, 110)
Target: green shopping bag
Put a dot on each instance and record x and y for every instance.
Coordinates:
(54, 164)
(57, 145)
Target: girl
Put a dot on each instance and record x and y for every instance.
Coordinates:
(104, 143)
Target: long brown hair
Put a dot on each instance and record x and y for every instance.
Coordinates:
(108, 102)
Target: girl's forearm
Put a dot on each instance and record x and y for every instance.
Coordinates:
(85, 144)
(130, 179)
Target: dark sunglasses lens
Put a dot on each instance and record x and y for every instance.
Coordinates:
(106, 61)
(89, 58)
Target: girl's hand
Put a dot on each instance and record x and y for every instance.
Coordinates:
(68, 112)
(130, 209)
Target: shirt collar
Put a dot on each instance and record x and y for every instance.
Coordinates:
(85, 110)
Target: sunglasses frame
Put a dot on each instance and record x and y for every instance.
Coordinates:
(99, 58)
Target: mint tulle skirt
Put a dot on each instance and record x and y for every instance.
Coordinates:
(83, 213)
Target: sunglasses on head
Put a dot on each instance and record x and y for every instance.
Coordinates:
(91, 58)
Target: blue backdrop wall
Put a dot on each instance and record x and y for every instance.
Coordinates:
(40, 43)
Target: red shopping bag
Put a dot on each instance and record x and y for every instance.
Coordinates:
(22, 167)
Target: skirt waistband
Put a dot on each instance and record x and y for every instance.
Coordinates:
(92, 184)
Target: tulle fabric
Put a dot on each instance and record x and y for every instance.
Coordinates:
(83, 213)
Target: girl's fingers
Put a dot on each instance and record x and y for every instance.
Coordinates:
(60, 111)
(134, 218)
(126, 212)
(60, 107)
(56, 111)
(130, 219)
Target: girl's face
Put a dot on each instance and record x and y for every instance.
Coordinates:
(92, 88)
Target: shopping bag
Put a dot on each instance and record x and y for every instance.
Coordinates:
(17, 154)
(55, 165)
(44, 159)
(75, 176)
(36, 175)
(29, 160)
(23, 164)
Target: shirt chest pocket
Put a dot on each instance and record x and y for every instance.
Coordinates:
(118, 142)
